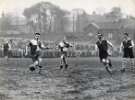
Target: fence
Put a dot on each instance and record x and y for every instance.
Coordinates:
(82, 49)
(18, 53)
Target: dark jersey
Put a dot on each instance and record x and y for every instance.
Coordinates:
(103, 48)
(127, 44)
(102, 45)
(128, 52)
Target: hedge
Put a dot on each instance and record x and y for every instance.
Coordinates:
(47, 54)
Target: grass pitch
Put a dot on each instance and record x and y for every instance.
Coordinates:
(86, 79)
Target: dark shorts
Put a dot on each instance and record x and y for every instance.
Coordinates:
(128, 55)
(35, 56)
(64, 53)
(103, 55)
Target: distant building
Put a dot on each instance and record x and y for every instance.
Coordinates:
(19, 24)
(111, 30)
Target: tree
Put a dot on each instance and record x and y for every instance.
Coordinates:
(80, 19)
(5, 22)
(35, 15)
(115, 14)
(49, 17)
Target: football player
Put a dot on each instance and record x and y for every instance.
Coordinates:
(35, 46)
(102, 47)
(63, 47)
(126, 48)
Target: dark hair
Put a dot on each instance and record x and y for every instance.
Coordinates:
(37, 33)
(99, 34)
(126, 34)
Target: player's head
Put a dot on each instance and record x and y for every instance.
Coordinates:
(100, 36)
(10, 41)
(37, 35)
(126, 35)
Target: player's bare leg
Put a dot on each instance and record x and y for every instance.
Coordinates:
(39, 66)
(108, 65)
(61, 62)
(65, 62)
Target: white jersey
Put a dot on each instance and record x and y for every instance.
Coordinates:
(64, 46)
(35, 45)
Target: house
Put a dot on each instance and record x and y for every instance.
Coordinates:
(111, 30)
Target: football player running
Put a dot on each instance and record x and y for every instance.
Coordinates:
(35, 46)
(102, 47)
(63, 47)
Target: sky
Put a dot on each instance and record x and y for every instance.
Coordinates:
(17, 6)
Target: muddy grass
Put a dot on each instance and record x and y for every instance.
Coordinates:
(85, 79)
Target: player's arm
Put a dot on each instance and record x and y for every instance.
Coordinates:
(42, 46)
(96, 50)
(112, 47)
(121, 47)
(9, 45)
(69, 44)
(27, 48)
(2, 47)
(132, 44)
(110, 44)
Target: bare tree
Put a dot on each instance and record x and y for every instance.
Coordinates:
(49, 17)
(5, 22)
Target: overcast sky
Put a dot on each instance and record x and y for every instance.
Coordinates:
(17, 6)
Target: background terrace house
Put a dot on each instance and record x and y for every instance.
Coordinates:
(91, 28)
(111, 30)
